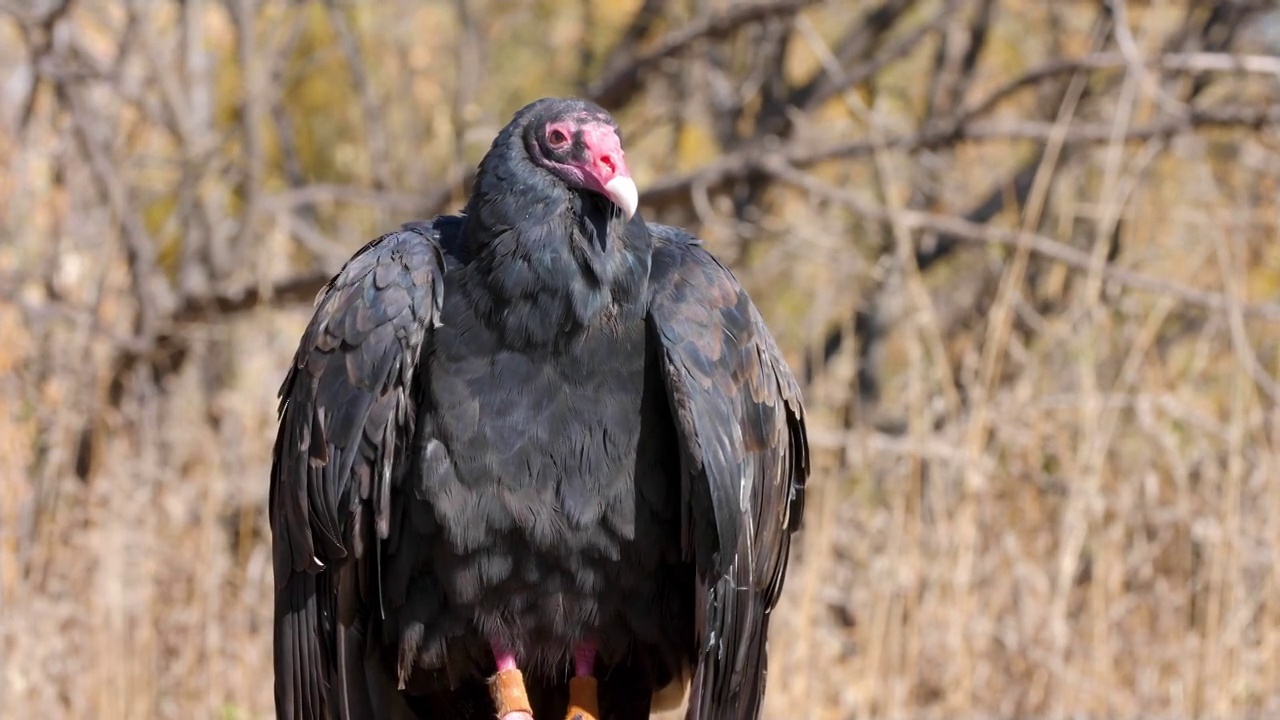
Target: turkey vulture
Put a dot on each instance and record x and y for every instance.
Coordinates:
(538, 455)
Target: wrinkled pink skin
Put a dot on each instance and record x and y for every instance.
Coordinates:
(605, 161)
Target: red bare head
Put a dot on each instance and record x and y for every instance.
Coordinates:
(579, 143)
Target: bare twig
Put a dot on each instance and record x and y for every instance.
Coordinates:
(618, 85)
(852, 51)
(251, 117)
(38, 33)
(1133, 59)
(1040, 244)
(646, 18)
(151, 289)
(375, 132)
(1236, 310)
(1192, 63)
(294, 290)
(753, 158)
(317, 193)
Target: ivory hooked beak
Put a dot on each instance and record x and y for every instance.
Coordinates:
(622, 191)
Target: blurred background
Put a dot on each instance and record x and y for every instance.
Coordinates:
(1024, 256)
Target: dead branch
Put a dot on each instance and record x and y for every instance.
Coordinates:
(856, 51)
(152, 293)
(375, 132)
(646, 18)
(753, 158)
(616, 86)
(252, 113)
(317, 193)
(962, 229)
(1187, 63)
(291, 291)
(955, 62)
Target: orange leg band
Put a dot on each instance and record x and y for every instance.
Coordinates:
(508, 693)
(584, 701)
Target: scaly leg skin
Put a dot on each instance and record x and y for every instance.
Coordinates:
(507, 688)
(584, 702)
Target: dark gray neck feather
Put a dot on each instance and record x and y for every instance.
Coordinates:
(547, 262)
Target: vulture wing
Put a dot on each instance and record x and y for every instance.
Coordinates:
(346, 426)
(744, 462)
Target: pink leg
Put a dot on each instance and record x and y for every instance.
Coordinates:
(506, 660)
(507, 687)
(584, 659)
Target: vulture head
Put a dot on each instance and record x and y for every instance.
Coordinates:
(554, 208)
(554, 153)
(578, 142)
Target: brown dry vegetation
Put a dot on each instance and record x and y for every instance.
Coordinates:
(1024, 254)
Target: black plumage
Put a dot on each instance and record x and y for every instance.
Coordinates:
(538, 422)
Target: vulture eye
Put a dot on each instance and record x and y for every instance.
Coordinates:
(557, 138)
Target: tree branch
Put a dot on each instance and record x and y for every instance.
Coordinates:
(754, 158)
(297, 289)
(1190, 63)
(857, 45)
(151, 291)
(962, 229)
(649, 14)
(616, 87)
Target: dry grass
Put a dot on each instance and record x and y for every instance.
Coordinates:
(1060, 501)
